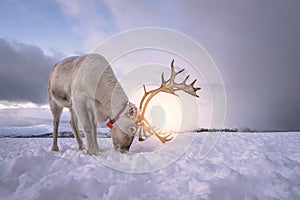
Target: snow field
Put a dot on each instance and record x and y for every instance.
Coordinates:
(241, 166)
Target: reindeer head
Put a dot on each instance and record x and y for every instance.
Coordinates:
(145, 129)
(123, 128)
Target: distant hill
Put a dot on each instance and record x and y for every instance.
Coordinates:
(63, 134)
(217, 130)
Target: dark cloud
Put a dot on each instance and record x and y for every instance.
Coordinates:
(24, 71)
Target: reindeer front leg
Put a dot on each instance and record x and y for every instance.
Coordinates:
(88, 120)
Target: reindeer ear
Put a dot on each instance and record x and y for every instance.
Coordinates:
(131, 105)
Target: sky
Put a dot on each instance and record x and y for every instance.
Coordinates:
(254, 43)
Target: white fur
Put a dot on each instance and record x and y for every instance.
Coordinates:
(88, 87)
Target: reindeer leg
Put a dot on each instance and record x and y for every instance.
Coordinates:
(74, 125)
(56, 112)
(88, 120)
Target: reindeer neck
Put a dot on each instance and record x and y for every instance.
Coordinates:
(110, 94)
(118, 101)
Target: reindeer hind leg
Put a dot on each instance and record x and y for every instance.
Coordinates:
(56, 112)
(74, 125)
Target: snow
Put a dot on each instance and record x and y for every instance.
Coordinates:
(241, 166)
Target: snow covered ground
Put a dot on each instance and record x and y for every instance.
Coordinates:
(241, 166)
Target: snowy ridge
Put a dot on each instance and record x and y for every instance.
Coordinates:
(241, 166)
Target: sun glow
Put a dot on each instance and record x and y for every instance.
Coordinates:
(163, 112)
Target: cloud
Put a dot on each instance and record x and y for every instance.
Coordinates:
(71, 7)
(24, 71)
(133, 14)
(91, 19)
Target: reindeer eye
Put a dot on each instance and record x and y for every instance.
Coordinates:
(132, 111)
(132, 129)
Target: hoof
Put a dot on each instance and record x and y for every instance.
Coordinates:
(92, 153)
(81, 148)
(54, 148)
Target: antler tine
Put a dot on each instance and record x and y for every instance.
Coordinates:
(172, 64)
(140, 134)
(164, 139)
(173, 73)
(145, 89)
(145, 130)
(193, 82)
(163, 81)
(180, 71)
(186, 78)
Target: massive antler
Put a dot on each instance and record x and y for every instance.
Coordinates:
(170, 87)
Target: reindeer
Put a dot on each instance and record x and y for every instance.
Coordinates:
(88, 87)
